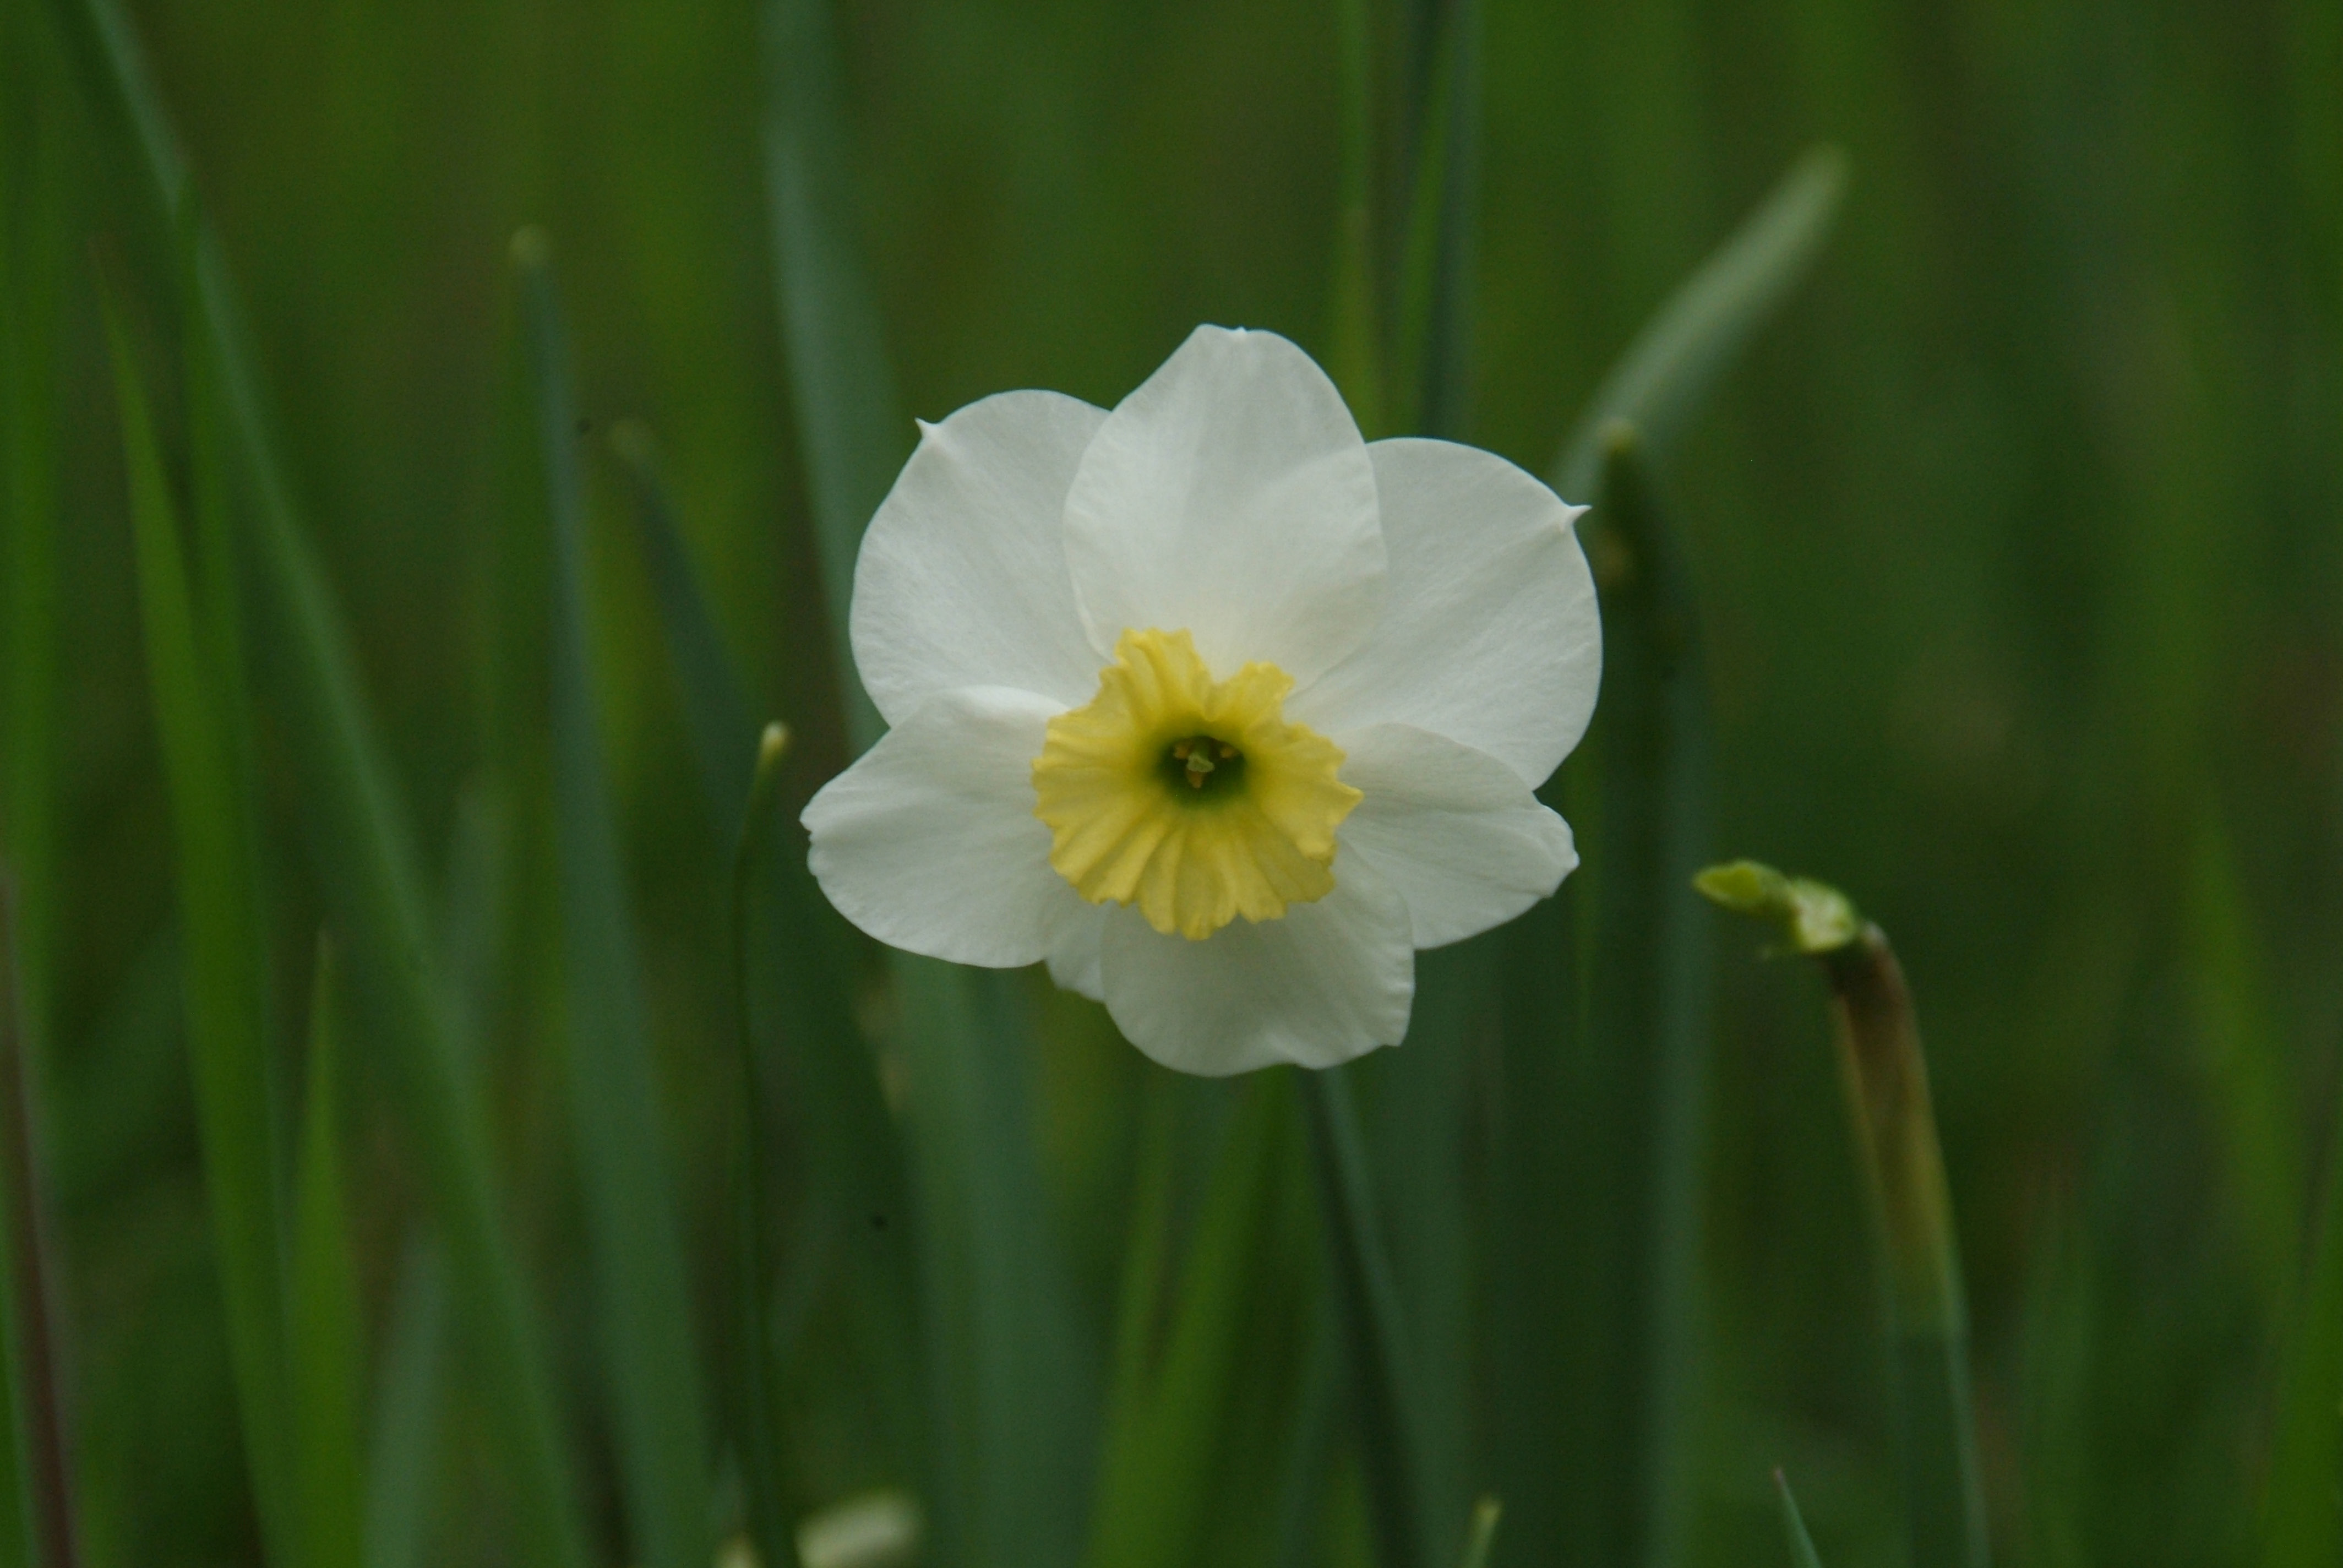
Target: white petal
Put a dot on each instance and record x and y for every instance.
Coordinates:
(1074, 963)
(1231, 497)
(1331, 980)
(1454, 830)
(1491, 635)
(963, 576)
(930, 842)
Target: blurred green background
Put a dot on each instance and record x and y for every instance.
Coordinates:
(2016, 544)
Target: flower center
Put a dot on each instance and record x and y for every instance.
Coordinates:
(1193, 799)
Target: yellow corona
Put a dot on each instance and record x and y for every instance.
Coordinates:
(1193, 799)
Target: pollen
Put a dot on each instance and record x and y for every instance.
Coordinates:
(1193, 799)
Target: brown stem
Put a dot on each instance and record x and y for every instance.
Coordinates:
(1885, 1075)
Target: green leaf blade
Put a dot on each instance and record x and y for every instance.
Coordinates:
(2303, 1524)
(1630, 1106)
(1667, 372)
(226, 1014)
(323, 1330)
(643, 1295)
(850, 415)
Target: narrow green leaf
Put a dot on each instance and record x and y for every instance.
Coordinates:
(643, 1297)
(31, 225)
(2244, 1058)
(1384, 1391)
(716, 714)
(853, 1155)
(1530, 1262)
(323, 1330)
(405, 1446)
(1439, 238)
(367, 867)
(1628, 1112)
(220, 910)
(760, 1458)
(1793, 1527)
(1416, 1110)
(1160, 1485)
(851, 422)
(1309, 1449)
(2304, 1517)
(1355, 356)
(1668, 369)
(1013, 1403)
(32, 1353)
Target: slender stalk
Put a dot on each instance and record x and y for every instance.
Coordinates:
(760, 1445)
(1626, 1105)
(48, 1468)
(1884, 1075)
(1371, 1319)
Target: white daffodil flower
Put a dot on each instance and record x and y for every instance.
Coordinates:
(1210, 704)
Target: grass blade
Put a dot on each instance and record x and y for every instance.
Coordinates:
(33, 1342)
(1381, 1376)
(1529, 1263)
(30, 221)
(716, 714)
(1793, 1526)
(760, 1460)
(1014, 1408)
(643, 1296)
(2244, 1059)
(404, 1447)
(1354, 355)
(1665, 373)
(220, 910)
(1163, 1472)
(1631, 1115)
(1438, 241)
(2304, 1519)
(849, 417)
(853, 1155)
(367, 866)
(326, 1337)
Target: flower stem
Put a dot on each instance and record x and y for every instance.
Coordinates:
(1885, 1074)
(1371, 1318)
(761, 1455)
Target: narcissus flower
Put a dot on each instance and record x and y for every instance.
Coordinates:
(1209, 704)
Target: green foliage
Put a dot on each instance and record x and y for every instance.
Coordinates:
(189, 638)
(645, 1318)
